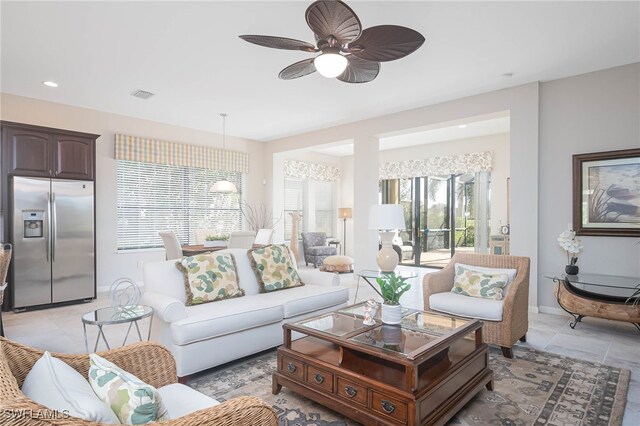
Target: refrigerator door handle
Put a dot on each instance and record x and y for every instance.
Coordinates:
(48, 243)
(54, 224)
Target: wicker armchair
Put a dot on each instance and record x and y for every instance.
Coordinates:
(515, 310)
(150, 362)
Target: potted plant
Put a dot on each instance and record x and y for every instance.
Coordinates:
(392, 287)
(572, 245)
(216, 240)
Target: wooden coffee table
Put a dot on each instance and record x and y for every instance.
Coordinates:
(420, 372)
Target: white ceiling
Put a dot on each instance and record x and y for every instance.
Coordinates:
(469, 129)
(190, 56)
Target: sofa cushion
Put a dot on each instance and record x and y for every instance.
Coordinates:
(57, 386)
(163, 277)
(247, 278)
(274, 268)
(229, 316)
(478, 284)
(209, 277)
(132, 400)
(302, 300)
(181, 400)
(465, 306)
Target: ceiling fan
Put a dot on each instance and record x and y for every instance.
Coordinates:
(349, 53)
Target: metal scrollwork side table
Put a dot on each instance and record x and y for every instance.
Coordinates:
(599, 296)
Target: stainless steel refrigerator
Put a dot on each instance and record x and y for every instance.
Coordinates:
(53, 241)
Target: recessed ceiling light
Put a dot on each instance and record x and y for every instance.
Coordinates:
(507, 75)
(462, 126)
(50, 83)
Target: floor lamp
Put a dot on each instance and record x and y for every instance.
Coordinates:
(344, 213)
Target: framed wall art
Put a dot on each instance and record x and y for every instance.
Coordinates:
(606, 193)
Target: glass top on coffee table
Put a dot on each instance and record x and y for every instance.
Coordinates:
(417, 331)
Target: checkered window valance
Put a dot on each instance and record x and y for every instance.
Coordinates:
(145, 150)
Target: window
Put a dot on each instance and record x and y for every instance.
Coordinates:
(293, 201)
(156, 197)
(324, 206)
(316, 202)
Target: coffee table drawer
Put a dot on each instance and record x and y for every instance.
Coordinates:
(388, 406)
(352, 391)
(320, 378)
(292, 367)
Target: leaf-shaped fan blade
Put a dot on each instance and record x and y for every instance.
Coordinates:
(279, 42)
(359, 71)
(333, 18)
(386, 43)
(297, 70)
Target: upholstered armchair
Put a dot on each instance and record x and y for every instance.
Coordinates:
(150, 362)
(505, 321)
(316, 248)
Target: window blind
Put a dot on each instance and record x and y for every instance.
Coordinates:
(156, 197)
(324, 207)
(293, 201)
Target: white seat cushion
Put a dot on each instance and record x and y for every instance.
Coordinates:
(224, 317)
(301, 300)
(56, 385)
(181, 400)
(466, 306)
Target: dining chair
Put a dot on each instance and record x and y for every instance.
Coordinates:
(171, 245)
(201, 234)
(241, 239)
(264, 236)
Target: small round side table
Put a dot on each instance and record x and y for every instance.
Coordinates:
(120, 315)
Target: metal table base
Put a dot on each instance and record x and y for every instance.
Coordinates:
(122, 318)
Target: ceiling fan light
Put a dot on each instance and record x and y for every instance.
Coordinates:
(330, 65)
(224, 186)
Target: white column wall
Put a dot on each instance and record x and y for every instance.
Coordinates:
(365, 183)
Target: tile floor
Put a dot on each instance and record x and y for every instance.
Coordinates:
(609, 342)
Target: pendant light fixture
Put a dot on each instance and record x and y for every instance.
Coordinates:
(224, 186)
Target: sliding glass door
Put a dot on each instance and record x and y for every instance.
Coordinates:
(443, 214)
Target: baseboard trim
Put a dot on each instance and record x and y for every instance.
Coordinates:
(534, 310)
(552, 310)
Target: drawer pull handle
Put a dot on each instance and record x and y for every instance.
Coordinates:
(388, 407)
(319, 378)
(292, 368)
(351, 392)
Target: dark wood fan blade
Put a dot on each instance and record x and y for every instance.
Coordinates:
(386, 43)
(279, 42)
(333, 21)
(297, 70)
(359, 71)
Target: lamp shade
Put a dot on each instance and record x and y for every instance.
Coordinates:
(224, 186)
(386, 216)
(344, 213)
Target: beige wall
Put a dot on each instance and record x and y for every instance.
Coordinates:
(111, 264)
(594, 112)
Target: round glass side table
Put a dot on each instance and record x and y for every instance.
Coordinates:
(119, 315)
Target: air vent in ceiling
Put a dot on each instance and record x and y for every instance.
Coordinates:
(142, 94)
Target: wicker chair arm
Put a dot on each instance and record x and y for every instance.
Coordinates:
(150, 362)
(243, 410)
(437, 282)
(515, 311)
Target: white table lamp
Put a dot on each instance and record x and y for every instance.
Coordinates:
(386, 218)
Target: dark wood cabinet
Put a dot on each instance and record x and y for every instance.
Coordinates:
(28, 152)
(73, 157)
(45, 152)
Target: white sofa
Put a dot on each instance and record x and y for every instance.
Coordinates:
(210, 334)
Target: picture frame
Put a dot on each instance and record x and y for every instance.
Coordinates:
(606, 193)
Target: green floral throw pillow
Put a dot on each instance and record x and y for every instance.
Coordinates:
(209, 277)
(478, 284)
(133, 401)
(274, 268)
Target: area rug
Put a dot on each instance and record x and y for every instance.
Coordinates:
(534, 388)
